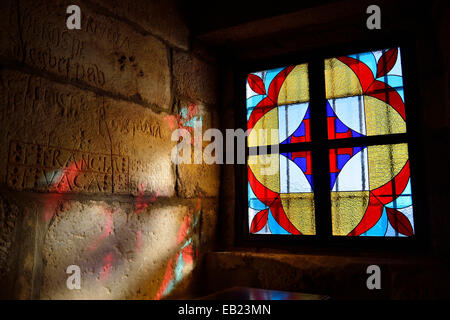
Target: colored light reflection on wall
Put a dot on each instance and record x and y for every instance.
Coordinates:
(187, 119)
(183, 260)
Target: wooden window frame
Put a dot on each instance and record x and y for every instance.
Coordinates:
(320, 145)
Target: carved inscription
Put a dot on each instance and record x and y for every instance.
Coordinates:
(28, 95)
(125, 125)
(42, 48)
(37, 167)
(108, 32)
(45, 59)
(45, 44)
(31, 97)
(106, 53)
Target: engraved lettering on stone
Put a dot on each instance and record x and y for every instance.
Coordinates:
(146, 127)
(28, 95)
(52, 169)
(54, 39)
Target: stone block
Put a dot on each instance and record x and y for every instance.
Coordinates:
(122, 253)
(62, 139)
(194, 78)
(195, 180)
(162, 18)
(19, 223)
(9, 218)
(208, 231)
(106, 53)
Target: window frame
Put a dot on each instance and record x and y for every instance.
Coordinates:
(323, 239)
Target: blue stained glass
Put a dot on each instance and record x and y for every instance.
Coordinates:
(274, 227)
(404, 200)
(253, 201)
(379, 229)
(342, 159)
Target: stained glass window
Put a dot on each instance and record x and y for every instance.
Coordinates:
(371, 191)
(364, 94)
(369, 179)
(280, 184)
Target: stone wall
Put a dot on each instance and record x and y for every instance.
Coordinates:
(86, 176)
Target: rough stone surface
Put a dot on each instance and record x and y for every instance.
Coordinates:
(86, 176)
(138, 249)
(106, 53)
(20, 268)
(208, 227)
(194, 78)
(9, 214)
(198, 179)
(340, 277)
(64, 139)
(160, 17)
(122, 252)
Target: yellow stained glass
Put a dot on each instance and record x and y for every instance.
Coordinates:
(266, 169)
(295, 88)
(265, 132)
(347, 210)
(299, 208)
(381, 118)
(385, 162)
(340, 80)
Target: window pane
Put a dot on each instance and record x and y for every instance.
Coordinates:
(294, 123)
(365, 94)
(280, 194)
(371, 191)
(277, 100)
